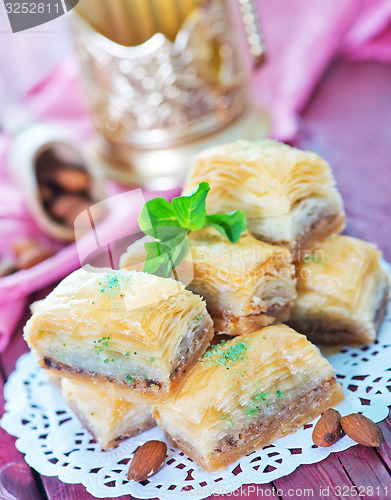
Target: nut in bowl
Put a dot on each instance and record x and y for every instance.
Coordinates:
(57, 180)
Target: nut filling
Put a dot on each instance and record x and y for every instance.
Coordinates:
(186, 359)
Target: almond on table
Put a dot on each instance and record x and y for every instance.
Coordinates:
(21, 245)
(362, 430)
(34, 256)
(327, 430)
(30, 252)
(147, 460)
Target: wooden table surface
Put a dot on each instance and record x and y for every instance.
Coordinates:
(348, 121)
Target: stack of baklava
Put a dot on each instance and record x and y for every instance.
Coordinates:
(290, 199)
(132, 348)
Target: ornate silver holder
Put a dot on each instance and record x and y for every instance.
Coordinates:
(156, 104)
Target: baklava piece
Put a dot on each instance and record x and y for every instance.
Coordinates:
(247, 392)
(342, 293)
(246, 285)
(289, 195)
(109, 419)
(135, 330)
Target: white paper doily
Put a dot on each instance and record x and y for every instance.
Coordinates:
(55, 443)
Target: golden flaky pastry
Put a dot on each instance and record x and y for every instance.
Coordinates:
(246, 393)
(132, 329)
(342, 293)
(246, 285)
(109, 419)
(289, 195)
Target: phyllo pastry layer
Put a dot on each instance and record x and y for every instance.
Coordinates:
(342, 293)
(289, 195)
(246, 393)
(109, 419)
(132, 329)
(246, 285)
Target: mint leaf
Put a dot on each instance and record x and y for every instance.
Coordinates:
(158, 265)
(162, 258)
(169, 224)
(157, 213)
(154, 249)
(229, 225)
(190, 210)
(177, 248)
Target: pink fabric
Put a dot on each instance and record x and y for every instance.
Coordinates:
(303, 36)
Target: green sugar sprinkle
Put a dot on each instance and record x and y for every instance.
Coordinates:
(250, 412)
(227, 420)
(101, 344)
(127, 354)
(115, 282)
(261, 396)
(226, 354)
(280, 394)
(129, 379)
(199, 318)
(152, 360)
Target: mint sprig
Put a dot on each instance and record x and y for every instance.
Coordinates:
(170, 223)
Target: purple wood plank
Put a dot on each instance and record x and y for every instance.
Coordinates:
(56, 490)
(314, 480)
(248, 491)
(367, 472)
(348, 122)
(16, 478)
(16, 347)
(385, 448)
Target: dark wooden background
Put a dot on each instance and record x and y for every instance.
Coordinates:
(348, 121)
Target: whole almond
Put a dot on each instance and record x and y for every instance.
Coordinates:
(66, 204)
(75, 211)
(33, 256)
(362, 430)
(7, 267)
(46, 193)
(22, 245)
(71, 179)
(328, 429)
(147, 460)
